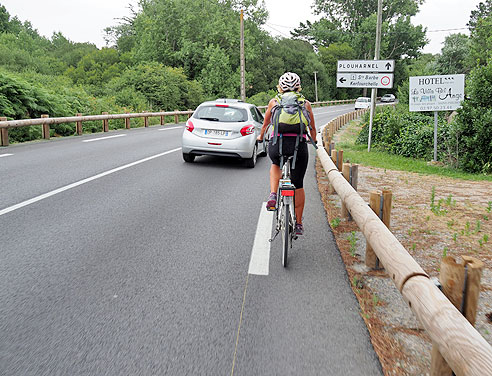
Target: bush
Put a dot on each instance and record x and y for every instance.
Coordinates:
(405, 133)
(473, 124)
(262, 98)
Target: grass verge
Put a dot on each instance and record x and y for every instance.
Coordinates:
(378, 158)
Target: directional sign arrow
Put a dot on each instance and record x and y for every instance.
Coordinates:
(388, 66)
(343, 79)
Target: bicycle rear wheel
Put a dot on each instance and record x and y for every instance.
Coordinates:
(286, 238)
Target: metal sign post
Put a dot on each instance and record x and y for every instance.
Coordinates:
(435, 136)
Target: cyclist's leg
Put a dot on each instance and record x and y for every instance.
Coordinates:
(275, 175)
(297, 176)
(299, 204)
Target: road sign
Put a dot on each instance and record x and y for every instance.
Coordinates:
(362, 80)
(436, 93)
(369, 66)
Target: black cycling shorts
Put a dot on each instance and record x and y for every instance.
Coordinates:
(288, 147)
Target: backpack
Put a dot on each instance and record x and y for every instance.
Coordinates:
(290, 114)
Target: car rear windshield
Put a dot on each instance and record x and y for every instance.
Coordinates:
(221, 114)
(362, 100)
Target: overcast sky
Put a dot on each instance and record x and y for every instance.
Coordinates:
(85, 20)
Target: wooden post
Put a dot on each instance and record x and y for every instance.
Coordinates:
(334, 156)
(176, 117)
(355, 176)
(189, 115)
(372, 260)
(105, 123)
(351, 174)
(461, 285)
(146, 120)
(346, 175)
(380, 203)
(163, 120)
(78, 126)
(45, 128)
(127, 121)
(4, 134)
(340, 160)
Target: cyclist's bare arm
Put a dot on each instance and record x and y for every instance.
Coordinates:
(312, 131)
(267, 119)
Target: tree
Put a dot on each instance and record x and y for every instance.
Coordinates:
(216, 76)
(352, 13)
(161, 87)
(96, 69)
(454, 53)
(480, 42)
(329, 56)
(484, 9)
(473, 122)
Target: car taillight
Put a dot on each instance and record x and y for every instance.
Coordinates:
(248, 129)
(189, 126)
(222, 105)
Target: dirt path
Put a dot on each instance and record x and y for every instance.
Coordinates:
(431, 216)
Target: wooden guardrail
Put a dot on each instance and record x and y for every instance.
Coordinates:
(463, 348)
(46, 121)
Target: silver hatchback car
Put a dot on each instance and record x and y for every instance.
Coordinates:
(224, 127)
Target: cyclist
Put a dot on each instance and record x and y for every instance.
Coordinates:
(289, 84)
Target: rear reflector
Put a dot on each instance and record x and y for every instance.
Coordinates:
(214, 143)
(287, 192)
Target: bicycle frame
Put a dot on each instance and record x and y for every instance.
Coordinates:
(286, 217)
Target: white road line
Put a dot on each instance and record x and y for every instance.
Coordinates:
(105, 138)
(168, 129)
(260, 255)
(5, 155)
(80, 182)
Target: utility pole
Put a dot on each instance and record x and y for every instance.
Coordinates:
(243, 81)
(376, 57)
(316, 85)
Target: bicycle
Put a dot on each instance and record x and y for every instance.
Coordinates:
(285, 208)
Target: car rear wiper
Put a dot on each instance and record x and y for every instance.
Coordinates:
(209, 118)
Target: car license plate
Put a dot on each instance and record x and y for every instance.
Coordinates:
(216, 132)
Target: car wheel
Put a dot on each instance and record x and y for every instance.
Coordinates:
(251, 162)
(264, 150)
(188, 157)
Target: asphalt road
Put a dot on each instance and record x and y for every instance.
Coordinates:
(117, 258)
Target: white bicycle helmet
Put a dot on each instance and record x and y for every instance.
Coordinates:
(289, 82)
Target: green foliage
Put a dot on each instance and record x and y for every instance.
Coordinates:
(262, 98)
(335, 222)
(481, 35)
(454, 53)
(163, 88)
(473, 123)
(409, 134)
(329, 57)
